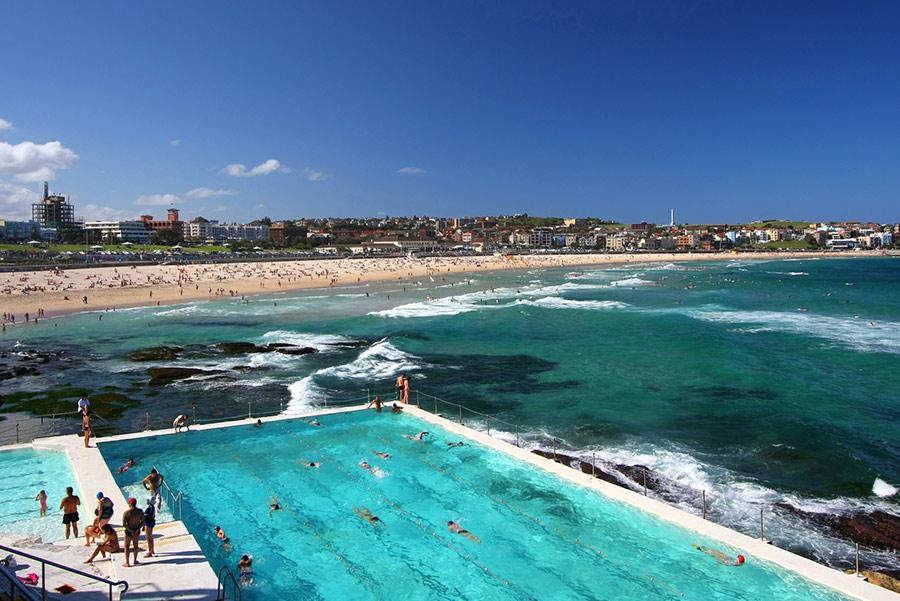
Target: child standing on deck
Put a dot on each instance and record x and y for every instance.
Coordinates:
(42, 497)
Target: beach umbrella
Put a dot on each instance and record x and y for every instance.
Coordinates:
(33, 242)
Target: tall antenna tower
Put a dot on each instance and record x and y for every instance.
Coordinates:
(672, 220)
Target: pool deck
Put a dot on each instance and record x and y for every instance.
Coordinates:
(181, 571)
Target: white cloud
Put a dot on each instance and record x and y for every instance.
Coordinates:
(175, 142)
(4, 124)
(208, 192)
(240, 170)
(157, 200)
(92, 212)
(411, 171)
(260, 206)
(15, 201)
(30, 162)
(314, 176)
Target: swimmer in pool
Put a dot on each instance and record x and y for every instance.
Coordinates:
(457, 529)
(395, 408)
(365, 514)
(126, 466)
(418, 437)
(382, 455)
(311, 464)
(245, 567)
(722, 558)
(226, 542)
(365, 464)
(274, 506)
(453, 445)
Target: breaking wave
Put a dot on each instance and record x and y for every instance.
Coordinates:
(554, 302)
(859, 334)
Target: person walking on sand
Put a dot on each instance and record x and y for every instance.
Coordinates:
(149, 524)
(132, 522)
(69, 506)
(153, 482)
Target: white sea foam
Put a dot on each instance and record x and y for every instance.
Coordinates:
(380, 361)
(320, 342)
(632, 281)
(883, 489)
(186, 310)
(859, 334)
(554, 302)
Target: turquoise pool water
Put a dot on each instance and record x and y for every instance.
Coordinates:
(542, 538)
(25, 473)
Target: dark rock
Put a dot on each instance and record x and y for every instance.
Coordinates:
(876, 529)
(160, 376)
(277, 345)
(156, 353)
(240, 348)
(296, 350)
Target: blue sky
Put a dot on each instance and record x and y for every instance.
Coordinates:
(727, 111)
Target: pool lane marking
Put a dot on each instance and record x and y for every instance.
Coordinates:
(555, 531)
(327, 544)
(417, 521)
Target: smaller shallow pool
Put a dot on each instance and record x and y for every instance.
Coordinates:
(25, 473)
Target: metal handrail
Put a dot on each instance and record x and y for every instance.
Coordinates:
(46, 562)
(221, 594)
(176, 499)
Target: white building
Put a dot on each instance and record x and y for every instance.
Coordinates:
(123, 231)
(541, 236)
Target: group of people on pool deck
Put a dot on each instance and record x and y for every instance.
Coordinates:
(134, 521)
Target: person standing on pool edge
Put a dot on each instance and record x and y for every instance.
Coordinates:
(149, 523)
(133, 523)
(404, 398)
(69, 506)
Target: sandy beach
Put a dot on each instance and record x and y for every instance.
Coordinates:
(53, 293)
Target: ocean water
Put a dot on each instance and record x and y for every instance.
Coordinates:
(26, 472)
(759, 382)
(540, 538)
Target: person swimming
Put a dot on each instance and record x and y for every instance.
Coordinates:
(721, 557)
(457, 529)
(453, 445)
(311, 464)
(382, 455)
(365, 514)
(418, 437)
(245, 567)
(126, 466)
(274, 506)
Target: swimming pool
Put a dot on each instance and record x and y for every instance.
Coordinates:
(25, 473)
(541, 537)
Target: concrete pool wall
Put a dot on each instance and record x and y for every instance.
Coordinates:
(190, 576)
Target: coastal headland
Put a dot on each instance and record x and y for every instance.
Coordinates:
(64, 291)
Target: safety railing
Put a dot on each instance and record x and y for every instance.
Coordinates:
(226, 577)
(174, 501)
(46, 562)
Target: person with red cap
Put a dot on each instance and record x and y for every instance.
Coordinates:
(721, 557)
(132, 522)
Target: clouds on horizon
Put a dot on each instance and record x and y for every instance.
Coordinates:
(4, 124)
(264, 168)
(30, 162)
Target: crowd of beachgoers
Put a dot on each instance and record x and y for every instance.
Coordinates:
(60, 291)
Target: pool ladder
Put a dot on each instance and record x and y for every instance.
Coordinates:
(225, 577)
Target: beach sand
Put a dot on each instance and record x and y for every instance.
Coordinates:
(62, 292)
